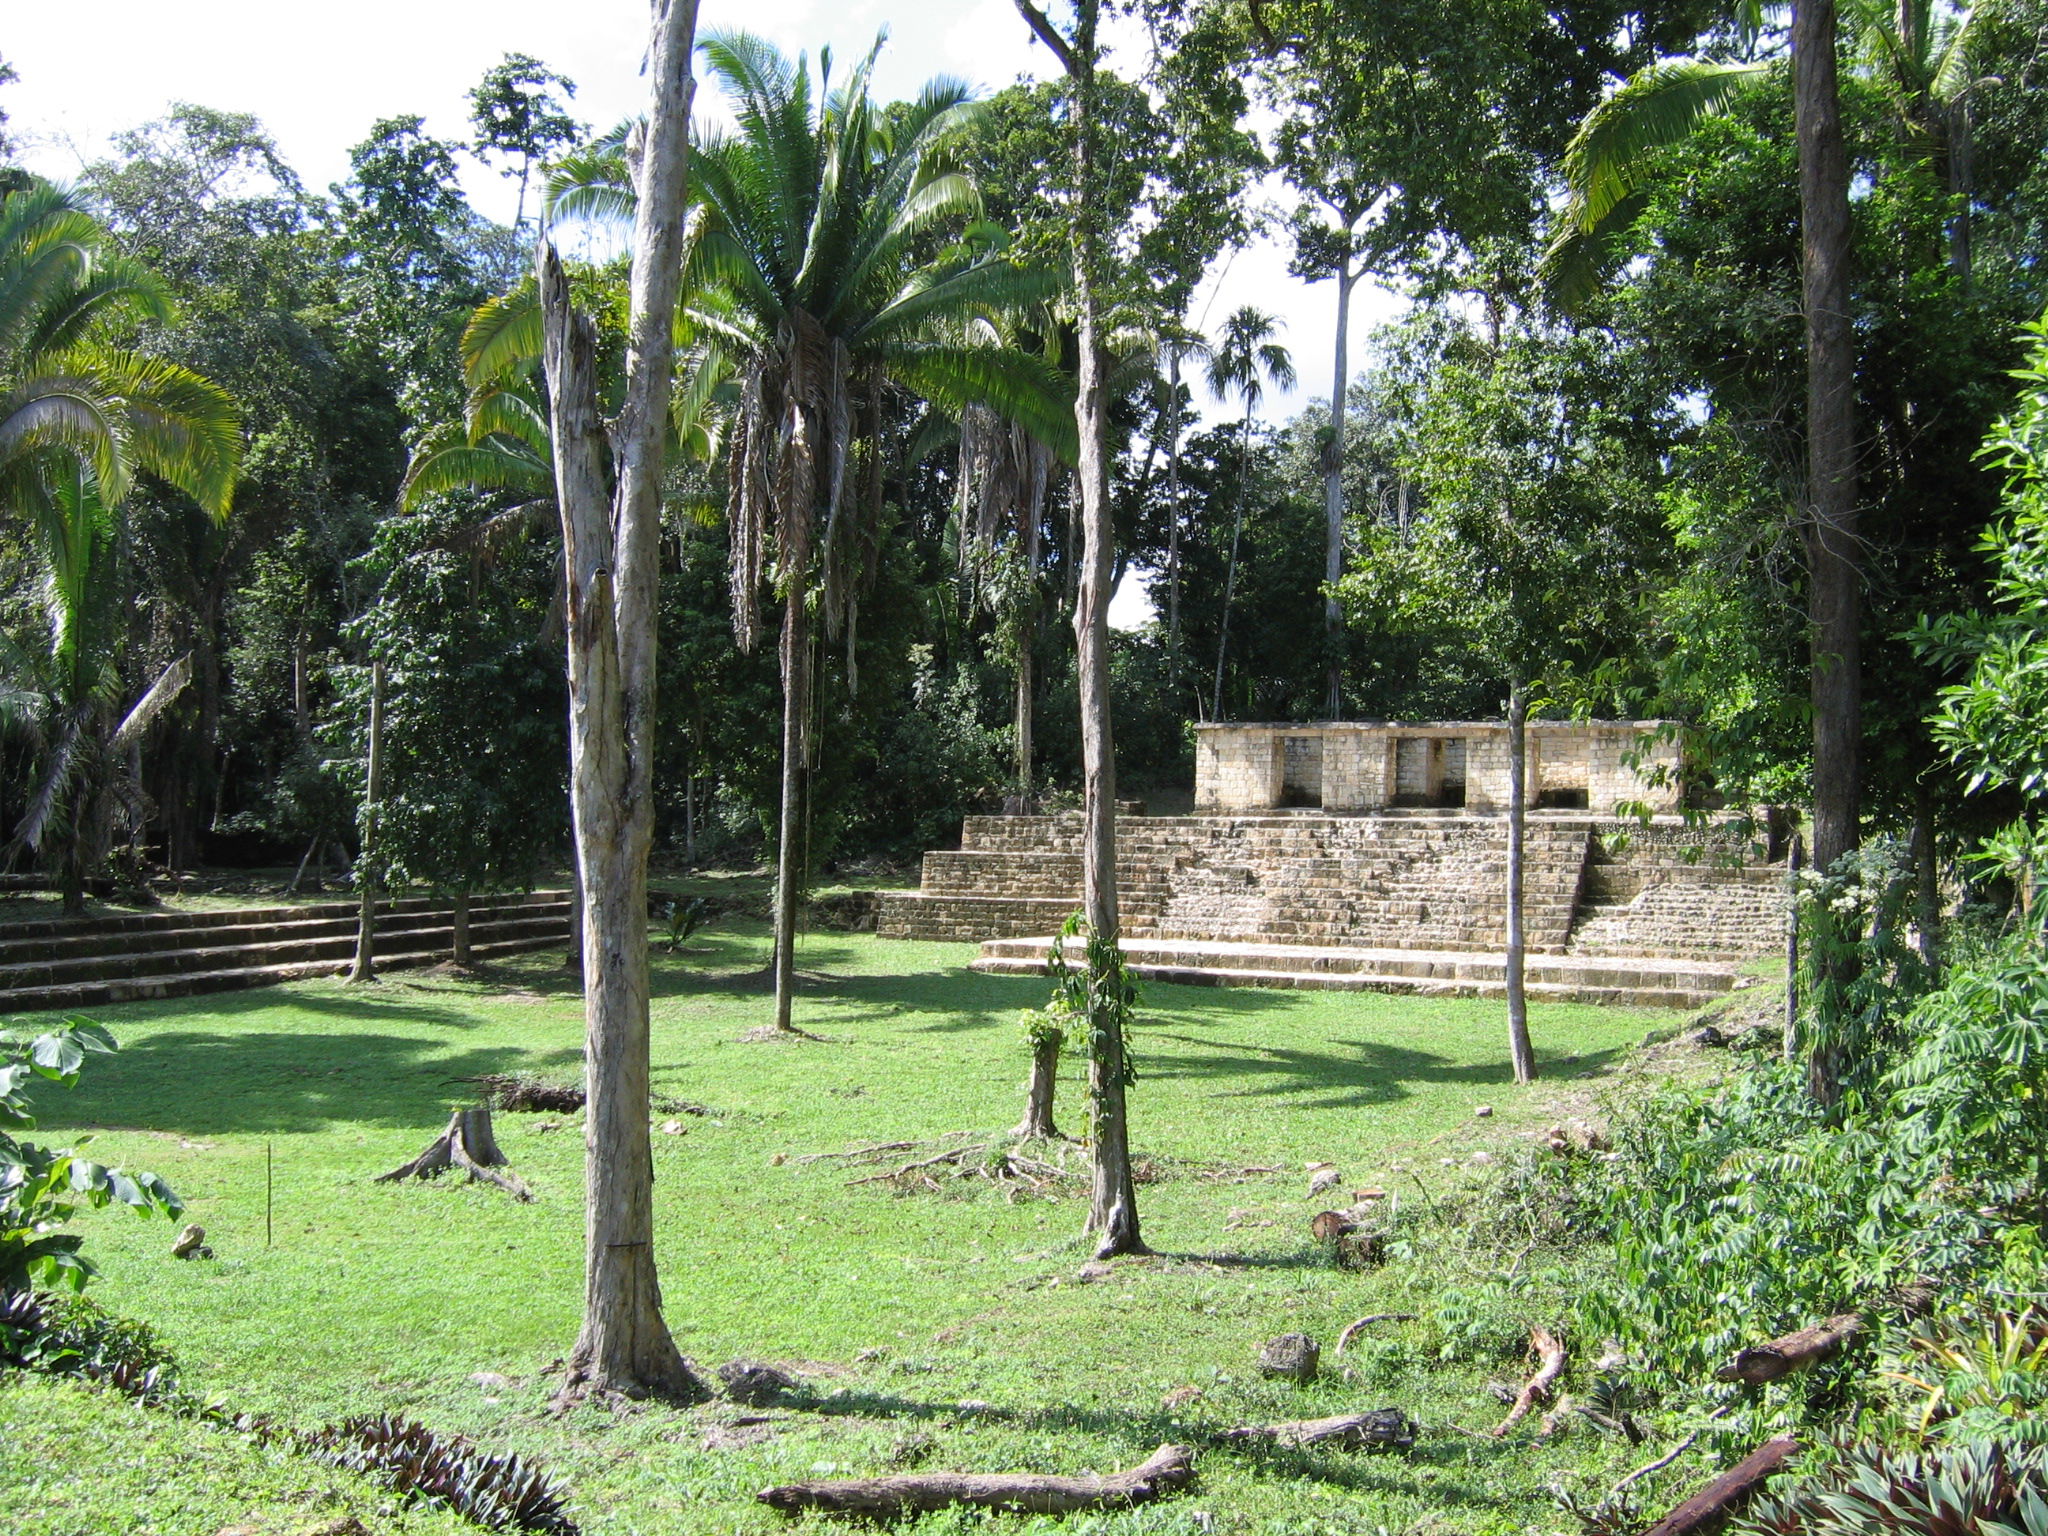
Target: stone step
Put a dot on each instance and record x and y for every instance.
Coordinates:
(1639, 984)
(235, 948)
(164, 941)
(237, 978)
(144, 931)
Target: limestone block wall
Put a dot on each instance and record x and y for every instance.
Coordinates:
(1370, 765)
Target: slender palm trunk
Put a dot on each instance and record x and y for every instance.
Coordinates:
(1173, 527)
(1230, 571)
(459, 948)
(789, 870)
(365, 967)
(1833, 581)
(610, 548)
(1333, 499)
(1520, 1052)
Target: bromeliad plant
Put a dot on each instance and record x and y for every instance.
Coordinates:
(42, 1188)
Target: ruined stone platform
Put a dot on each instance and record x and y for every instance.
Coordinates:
(1665, 914)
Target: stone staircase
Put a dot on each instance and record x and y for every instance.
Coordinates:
(1385, 902)
(92, 962)
(1643, 983)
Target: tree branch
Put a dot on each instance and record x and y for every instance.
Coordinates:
(1049, 35)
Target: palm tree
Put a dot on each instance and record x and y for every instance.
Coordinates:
(79, 416)
(807, 273)
(1245, 358)
(1177, 348)
(68, 393)
(64, 692)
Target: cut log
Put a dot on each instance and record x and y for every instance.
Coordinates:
(469, 1144)
(1168, 1470)
(1794, 1352)
(1550, 1357)
(1721, 1500)
(1381, 1428)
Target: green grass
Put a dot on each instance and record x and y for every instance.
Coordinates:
(947, 1331)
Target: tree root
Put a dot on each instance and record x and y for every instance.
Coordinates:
(1352, 1332)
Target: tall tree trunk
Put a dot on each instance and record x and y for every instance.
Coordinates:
(1519, 1050)
(789, 871)
(1230, 570)
(365, 968)
(1962, 183)
(610, 550)
(1333, 498)
(1833, 596)
(1113, 1202)
(459, 950)
(1173, 526)
(1026, 636)
(1927, 876)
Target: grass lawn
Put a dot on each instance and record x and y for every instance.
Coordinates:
(948, 1331)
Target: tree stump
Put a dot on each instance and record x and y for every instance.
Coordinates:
(469, 1144)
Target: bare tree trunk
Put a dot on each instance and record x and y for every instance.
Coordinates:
(1174, 513)
(1333, 498)
(1230, 570)
(610, 550)
(459, 948)
(365, 968)
(789, 873)
(1113, 1203)
(1833, 583)
(1027, 634)
(1519, 1049)
(1793, 856)
(690, 820)
(1927, 876)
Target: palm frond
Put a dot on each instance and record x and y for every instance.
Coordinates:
(167, 687)
(1658, 107)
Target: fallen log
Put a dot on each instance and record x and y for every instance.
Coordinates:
(1352, 1332)
(469, 1144)
(1167, 1470)
(1383, 1427)
(1716, 1504)
(1794, 1352)
(1550, 1365)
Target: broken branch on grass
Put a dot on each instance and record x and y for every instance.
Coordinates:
(1550, 1356)
(1714, 1505)
(1650, 1469)
(1352, 1332)
(1167, 1470)
(1794, 1352)
(996, 1159)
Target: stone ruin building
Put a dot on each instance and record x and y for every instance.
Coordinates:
(1371, 856)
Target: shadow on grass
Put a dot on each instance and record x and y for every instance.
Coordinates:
(202, 1082)
(1348, 1074)
(1141, 1431)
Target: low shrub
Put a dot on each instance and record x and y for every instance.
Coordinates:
(501, 1493)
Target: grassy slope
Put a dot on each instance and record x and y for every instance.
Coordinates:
(375, 1296)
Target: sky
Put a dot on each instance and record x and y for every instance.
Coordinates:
(319, 76)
